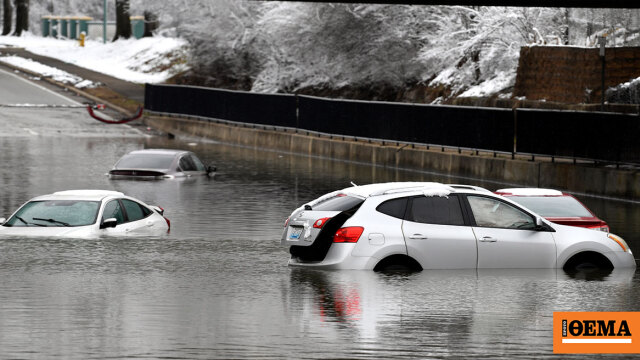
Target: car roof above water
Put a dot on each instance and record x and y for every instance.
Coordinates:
(428, 188)
(88, 195)
(157, 152)
(529, 192)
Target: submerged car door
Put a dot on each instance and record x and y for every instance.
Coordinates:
(191, 166)
(131, 216)
(436, 235)
(113, 209)
(138, 217)
(507, 236)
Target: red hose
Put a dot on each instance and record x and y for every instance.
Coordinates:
(121, 121)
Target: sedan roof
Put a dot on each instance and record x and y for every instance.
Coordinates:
(88, 195)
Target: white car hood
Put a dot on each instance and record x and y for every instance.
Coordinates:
(49, 231)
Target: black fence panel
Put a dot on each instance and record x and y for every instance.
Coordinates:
(588, 135)
(598, 136)
(476, 128)
(240, 106)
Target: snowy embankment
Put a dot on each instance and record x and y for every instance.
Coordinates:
(47, 71)
(147, 60)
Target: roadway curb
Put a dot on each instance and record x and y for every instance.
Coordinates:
(70, 88)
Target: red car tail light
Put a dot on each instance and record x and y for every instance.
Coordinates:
(286, 222)
(168, 222)
(604, 228)
(320, 222)
(348, 234)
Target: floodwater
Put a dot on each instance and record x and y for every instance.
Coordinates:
(218, 285)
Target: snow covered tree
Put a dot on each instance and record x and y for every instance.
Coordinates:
(22, 17)
(332, 45)
(7, 17)
(123, 23)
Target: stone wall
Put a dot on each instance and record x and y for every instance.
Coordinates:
(572, 74)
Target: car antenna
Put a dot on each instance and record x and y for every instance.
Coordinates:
(353, 184)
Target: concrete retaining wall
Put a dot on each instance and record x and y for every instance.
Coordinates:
(575, 178)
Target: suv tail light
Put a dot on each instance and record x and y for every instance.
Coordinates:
(286, 222)
(348, 234)
(320, 222)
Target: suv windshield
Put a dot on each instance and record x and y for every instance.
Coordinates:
(56, 213)
(145, 161)
(338, 203)
(553, 206)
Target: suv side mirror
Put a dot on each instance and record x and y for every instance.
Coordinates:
(211, 169)
(109, 223)
(542, 226)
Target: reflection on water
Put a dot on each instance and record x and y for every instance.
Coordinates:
(218, 286)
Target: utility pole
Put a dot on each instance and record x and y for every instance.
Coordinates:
(602, 41)
(104, 21)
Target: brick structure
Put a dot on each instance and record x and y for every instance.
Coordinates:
(572, 74)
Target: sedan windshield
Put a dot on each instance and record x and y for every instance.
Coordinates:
(146, 161)
(56, 213)
(553, 206)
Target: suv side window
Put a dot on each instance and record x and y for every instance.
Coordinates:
(113, 210)
(134, 210)
(494, 213)
(394, 207)
(436, 210)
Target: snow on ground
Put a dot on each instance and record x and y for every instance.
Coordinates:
(147, 60)
(502, 81)
(47, 71)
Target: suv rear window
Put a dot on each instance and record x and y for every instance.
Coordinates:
(393, 207)
(338, 203)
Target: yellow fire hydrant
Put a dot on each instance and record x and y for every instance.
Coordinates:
(81, 39)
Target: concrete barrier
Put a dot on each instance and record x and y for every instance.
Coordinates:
(576, 178)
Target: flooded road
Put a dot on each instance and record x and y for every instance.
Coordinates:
(218, 285)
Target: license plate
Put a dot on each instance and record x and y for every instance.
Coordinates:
(295, 233)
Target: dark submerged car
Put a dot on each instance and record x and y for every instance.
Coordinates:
(160, 164)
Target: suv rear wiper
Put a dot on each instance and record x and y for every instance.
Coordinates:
(53, 221)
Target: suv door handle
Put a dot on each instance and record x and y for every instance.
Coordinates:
(417, 237)
(488, 239)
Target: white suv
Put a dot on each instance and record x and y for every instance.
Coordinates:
(423, 225)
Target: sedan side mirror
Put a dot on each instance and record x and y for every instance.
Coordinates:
(211, 169)
(2, 221)
(109, 223)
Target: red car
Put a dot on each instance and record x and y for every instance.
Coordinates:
(555, 206)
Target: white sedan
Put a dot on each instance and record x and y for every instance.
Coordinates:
(85, 213)
(435, 226)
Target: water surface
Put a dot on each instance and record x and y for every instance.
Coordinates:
(218, 285)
